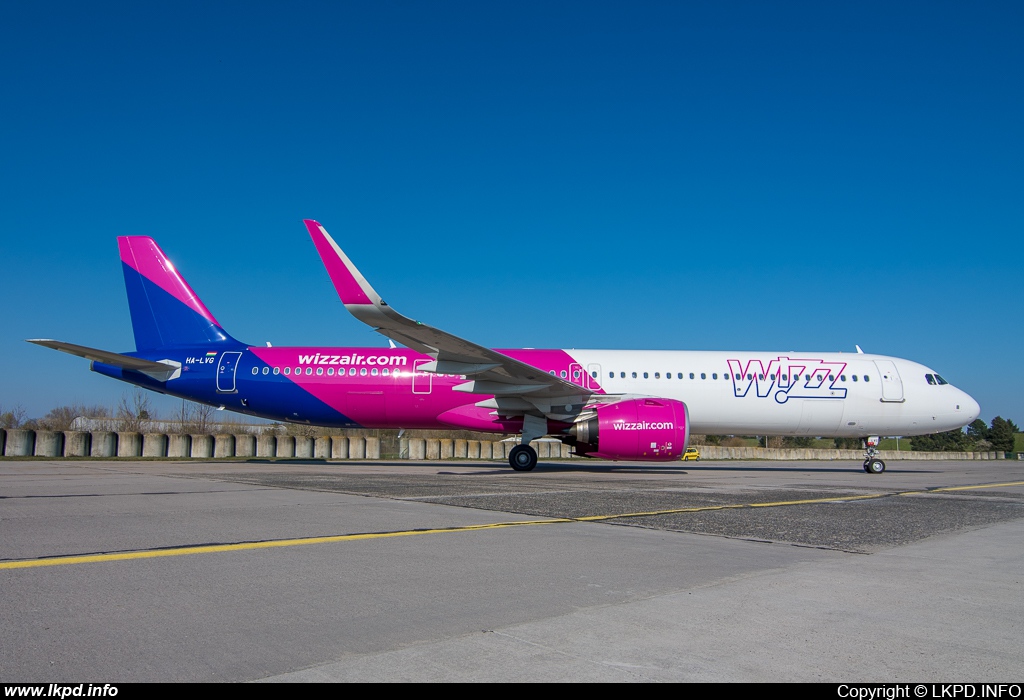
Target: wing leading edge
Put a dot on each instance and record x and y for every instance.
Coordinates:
(516, 386)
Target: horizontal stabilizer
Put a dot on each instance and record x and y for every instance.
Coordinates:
(158, 370)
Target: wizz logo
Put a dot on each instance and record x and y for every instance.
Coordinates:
(787, 377)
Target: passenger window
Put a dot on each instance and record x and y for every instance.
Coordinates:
(266, 370)
(784, 377)
(611, 375)
(760, 377)
(867, 378)
(854, 377)
(594, 375)
(634, 375)
(386, 371)
(277, 370)
(703, 375)
(373, 371)
(287, 370)
(657, 375)
(309, 371)
(362, 371)
(562, 374)
(622, 375)
(352, 372)
(680, 376)
(645, 375)
(319, 371)
(255, 370)
(575, 374)
(330, 371)
(691, 375)
(714, 375)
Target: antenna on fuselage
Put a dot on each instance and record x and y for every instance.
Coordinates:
(859, 351)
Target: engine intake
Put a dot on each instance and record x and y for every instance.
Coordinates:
(650, 430)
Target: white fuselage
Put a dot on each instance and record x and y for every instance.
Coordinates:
(788, 393)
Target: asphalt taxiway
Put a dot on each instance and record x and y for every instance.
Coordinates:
(467, 571)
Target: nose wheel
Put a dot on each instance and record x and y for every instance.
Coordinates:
(874, 466)
(523, 458)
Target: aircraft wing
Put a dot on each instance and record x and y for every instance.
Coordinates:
(158, 370)
(488, 371)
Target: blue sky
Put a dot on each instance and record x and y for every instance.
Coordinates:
(677, 175)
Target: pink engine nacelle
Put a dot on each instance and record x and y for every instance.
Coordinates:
(650, 430)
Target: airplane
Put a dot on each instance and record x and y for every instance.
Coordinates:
(622, 405)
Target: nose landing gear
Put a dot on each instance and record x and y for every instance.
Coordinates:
(872, 464)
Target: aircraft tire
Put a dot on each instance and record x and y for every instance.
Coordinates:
(875, 466)
(522, 458)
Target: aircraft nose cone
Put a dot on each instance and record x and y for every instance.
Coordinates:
(970, 408)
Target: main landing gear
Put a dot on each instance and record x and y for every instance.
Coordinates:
(523, 458)
(872, 464)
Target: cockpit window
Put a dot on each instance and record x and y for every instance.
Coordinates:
(931, 379)
(940, 380)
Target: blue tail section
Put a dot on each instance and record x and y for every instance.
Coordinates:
(165, 311)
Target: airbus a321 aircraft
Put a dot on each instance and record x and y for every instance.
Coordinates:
(610, 404)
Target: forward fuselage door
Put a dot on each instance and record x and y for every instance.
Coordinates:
(892, 385)
(226, 369)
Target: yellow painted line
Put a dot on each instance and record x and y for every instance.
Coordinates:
(595, 518)
(980, 486)
(834, 499)
(267, 544)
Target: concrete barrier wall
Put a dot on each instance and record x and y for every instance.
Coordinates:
(285, 447)
(20, 443)
(129, 444)
(807, 453)
(49, 444)
(303, 447)
(103, 444)
(447, 448)
(202, 447)
(266, 446)
(223, 446)
(76, 443)
(245, 445)
(179, 446)
(154, 445)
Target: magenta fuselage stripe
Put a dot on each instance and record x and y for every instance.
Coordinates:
(348, 289)
(143, 255)
(406, 400)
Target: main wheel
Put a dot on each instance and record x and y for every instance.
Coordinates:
(875, 466)
(523, 458)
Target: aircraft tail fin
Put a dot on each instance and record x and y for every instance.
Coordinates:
(164, 309)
